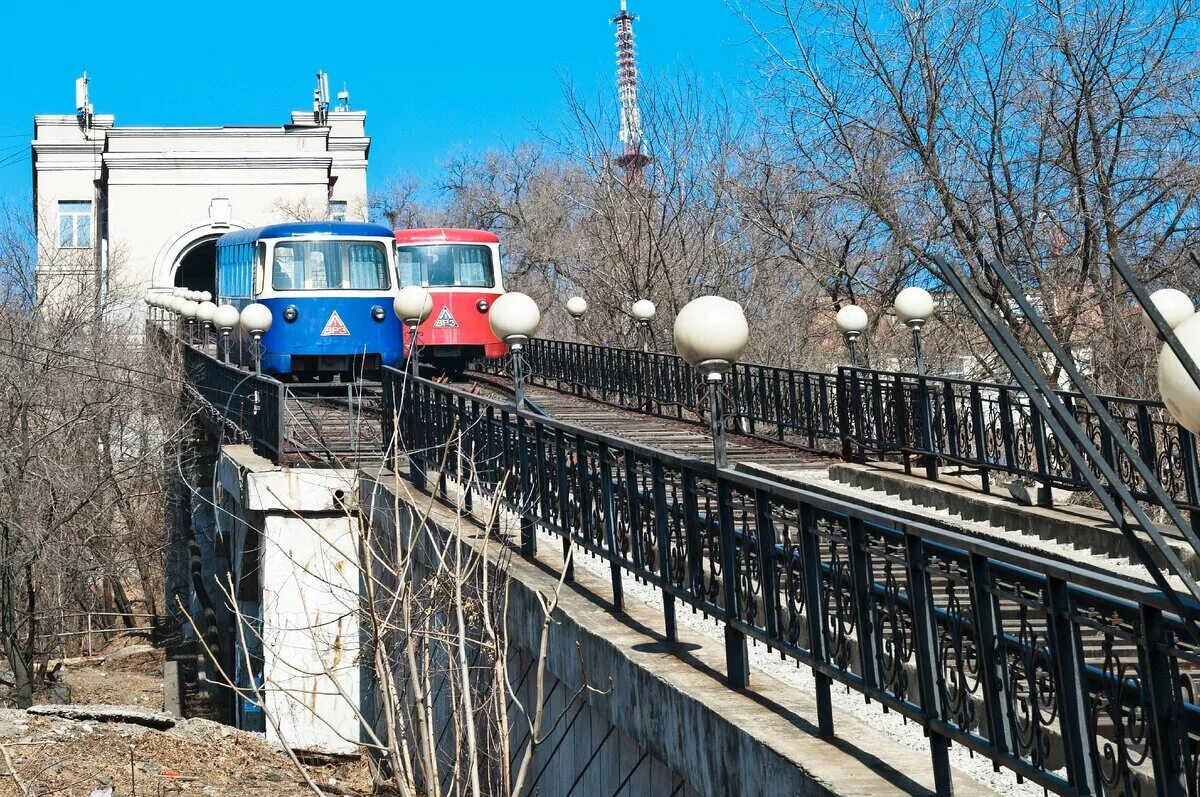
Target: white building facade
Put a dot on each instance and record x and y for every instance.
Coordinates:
(120, 211)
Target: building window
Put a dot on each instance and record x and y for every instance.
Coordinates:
(337, 211)
(75, 224)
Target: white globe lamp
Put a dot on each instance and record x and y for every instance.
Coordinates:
(1173, 305)
(205, 296)
(412, 305)
(851, 321)
(225, 319)
(204, 315)
(913, 306)
(643, 310)
(710, 335)
(514, 319)
(1179, 392)
(256, 321)
(712, 330)
(577, 306)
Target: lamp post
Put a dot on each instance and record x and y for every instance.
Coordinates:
(412, 306)
(225, 318)
(188, 313)
(514, 319)
(851, 321)
(913, 307)
(204, 314)
(710, 335)
(643, 311)
(577, 306)
(175, 305)
(256, 321)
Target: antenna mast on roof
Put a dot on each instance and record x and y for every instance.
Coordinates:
(321, 99)
(343, 98)
(83, 106)
(632, 160)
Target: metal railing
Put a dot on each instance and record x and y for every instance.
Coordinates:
(285, 422)
(247, 405)
(984, 426)
(1069, 677)
(992, 427)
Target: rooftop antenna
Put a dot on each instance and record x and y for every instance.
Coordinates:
(83, 108)
(343, 99)
(321, 99)
(632, 159)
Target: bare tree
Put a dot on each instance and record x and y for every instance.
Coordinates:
(1049, 137)
(84, 425)
(452, 712)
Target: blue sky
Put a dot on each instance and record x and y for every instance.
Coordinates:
(434, 77)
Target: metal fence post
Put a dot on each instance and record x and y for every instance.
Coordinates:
(662, 533)
(1042, 456)
(988, 626)
(925, 643)
(1070, 675)
(931, 458)
(862, 579)
(810, 553)
(563, 480)
(528, 528)
(609, 505)
(843, 411)
(768, 576)
(737, 658)
(1160, 682)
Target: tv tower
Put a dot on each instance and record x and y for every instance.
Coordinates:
(632, 159)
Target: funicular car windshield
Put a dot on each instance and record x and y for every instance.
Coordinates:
(329, 265)
(446, 266)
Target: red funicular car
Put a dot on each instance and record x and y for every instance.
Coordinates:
(461, 270)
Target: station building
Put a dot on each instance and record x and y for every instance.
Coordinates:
(120, 210)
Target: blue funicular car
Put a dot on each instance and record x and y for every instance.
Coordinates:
(329, 286)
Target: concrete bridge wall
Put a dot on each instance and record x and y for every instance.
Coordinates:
(659, 719)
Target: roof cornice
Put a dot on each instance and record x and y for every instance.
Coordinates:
(176, 160)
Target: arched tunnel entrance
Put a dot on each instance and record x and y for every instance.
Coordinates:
(197, 269)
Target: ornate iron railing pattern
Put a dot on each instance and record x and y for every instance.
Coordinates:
(285, 422)
(1064, 675)
(985, 426)
(248, 406)
(992, 427)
